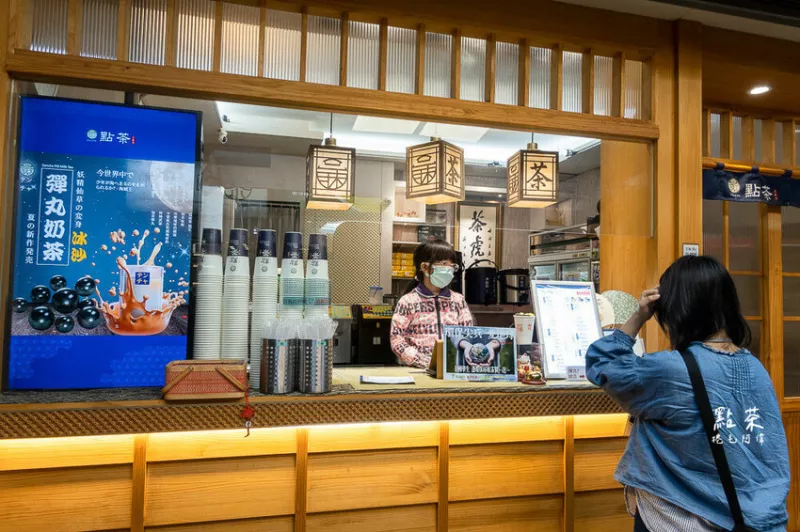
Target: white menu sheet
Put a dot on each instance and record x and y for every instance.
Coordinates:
(567, 323)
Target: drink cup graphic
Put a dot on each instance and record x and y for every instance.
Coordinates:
(148, 285)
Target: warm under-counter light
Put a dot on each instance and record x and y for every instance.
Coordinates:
(759, 89)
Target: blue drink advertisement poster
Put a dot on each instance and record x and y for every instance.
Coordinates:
(102, 251)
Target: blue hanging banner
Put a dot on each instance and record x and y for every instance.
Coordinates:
(750, 187)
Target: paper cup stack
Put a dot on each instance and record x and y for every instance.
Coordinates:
(208, 297)
(292, 278)
(265, 297)
(236, 298)
(318, 285)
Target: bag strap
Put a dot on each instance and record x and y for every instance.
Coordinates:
(707, 415)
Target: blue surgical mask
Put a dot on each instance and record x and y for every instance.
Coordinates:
(442, 276)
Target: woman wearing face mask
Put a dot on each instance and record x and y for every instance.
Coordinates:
(428, 305)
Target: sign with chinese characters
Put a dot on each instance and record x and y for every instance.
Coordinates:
(479, 354)
(435, 172)
(724, 185)
(477, 232)
(330, 177)
(103, 227)
(532, 178)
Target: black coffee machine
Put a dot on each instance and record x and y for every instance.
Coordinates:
(480, 283)
(458, 276)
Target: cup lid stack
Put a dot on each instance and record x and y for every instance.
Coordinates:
(236, 298)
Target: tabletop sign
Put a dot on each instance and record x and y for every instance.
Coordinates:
(568, 323)
(480, 354)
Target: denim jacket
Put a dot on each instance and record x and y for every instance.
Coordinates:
(668, 453)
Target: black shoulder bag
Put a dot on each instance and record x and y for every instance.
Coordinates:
(721, 461)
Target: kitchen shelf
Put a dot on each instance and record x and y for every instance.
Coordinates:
(420, 223)
(394, 278)
(401, 243)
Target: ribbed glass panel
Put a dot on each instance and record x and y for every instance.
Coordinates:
(541, 65)
(148, 31)
(779, 142)
(603, 84)
(506, 74)
(282, 45)
(195, 40)
(572, 82)
(401, 59)
(473, 69)
(363, 55)
(49, 26)
(714, 148)
(99, 29)
(633, 89)
(438, 57)
(239, 43)
(324, 50)
(737, 138)
(757, 140)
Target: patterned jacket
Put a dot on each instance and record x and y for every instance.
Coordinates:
(418, 320)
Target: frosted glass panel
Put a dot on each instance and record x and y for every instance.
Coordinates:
(473, 69)
(438, 55)
(195, 40)
(779, 142)
(791, 361)
(603, 84)
(790, 220)
(633, 89)
(239, 44)
(100, 29)
(401, 59)
(506, 82)
(49, 26)
(744, 236)
(748, 288)
(757, 140)
(539, 90)
(572, 82)
(714, 147)
(148, 31)
(282, 45)
(324, 45)
(737, 138)
(712, 229)
(363, 55)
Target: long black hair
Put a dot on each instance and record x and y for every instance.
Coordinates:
(430, 252)
(698, 300)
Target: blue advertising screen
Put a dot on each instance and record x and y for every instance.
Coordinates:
(103, 232)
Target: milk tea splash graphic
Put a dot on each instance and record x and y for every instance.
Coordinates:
(143, 308)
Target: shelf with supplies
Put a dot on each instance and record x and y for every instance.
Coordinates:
(405, 243)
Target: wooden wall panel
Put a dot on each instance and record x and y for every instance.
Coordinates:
(65, 452)
(220, 444)
(373, 436)
(54, 500)
(792, 424)
(520, 514)
(269, 524)
(215, 490)
(602, 511)
(420, 518)
(505, 470)
(476, 431)
(595, 462)
(608, 426)
(346, 481)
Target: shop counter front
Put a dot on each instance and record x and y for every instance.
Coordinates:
(435, 455)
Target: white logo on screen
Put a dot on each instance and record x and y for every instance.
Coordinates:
(91, 134)
(27, 169)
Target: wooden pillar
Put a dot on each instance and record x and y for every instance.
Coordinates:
(688, 134)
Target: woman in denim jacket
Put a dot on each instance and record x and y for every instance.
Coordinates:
(671, 481)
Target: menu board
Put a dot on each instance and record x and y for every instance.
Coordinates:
(104, 211)
(567, 323)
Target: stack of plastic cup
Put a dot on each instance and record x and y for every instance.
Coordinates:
(318, 285)
(208, 297)
(236, 298)
(292, 277)
(265, 297)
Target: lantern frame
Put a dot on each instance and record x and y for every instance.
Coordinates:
(334, 192)
(434, 184)
(521, 192)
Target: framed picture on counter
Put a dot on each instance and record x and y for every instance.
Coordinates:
(478, 237)
(480, 354)
(567, 323)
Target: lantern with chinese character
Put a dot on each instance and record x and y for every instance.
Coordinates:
(532, 178)
(435, 172)
(330, 179)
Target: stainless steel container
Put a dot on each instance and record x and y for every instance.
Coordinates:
(279, 366)
(316, 366)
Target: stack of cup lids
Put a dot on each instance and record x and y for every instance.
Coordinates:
(317, 285)
(292, 278)
(208, 297)
(236, 298)
(265, 297)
